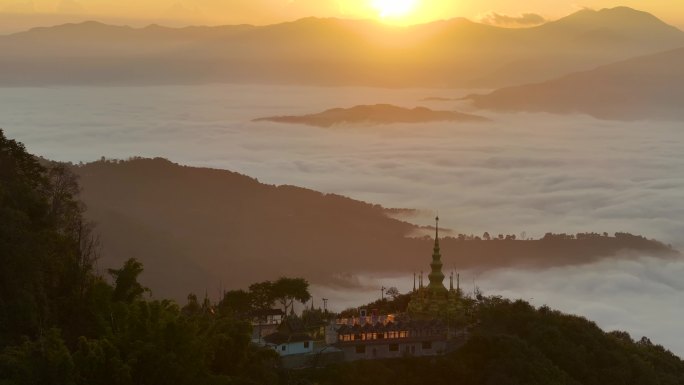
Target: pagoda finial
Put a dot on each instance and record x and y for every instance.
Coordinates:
(451, 281)
(436, 248)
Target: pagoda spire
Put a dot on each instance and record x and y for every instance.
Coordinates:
(436, 276)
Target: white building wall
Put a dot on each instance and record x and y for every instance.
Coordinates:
(295, 348)
(331, 333)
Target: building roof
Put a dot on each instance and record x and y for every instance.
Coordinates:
(279, 338)
(392, 326)
(267, 312)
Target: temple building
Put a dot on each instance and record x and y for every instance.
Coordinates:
(435, 301)
(393, 339)
(433, 323)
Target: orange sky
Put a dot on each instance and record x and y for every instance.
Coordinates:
(21, 14)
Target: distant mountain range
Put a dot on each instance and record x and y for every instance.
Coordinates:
(647, 87)
(375, 114)
(196, 228)
(453, 53)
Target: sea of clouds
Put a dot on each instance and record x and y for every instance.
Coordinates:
(525, 172)
(521, 172)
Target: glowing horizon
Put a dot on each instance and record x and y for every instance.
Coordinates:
(395, 10)
(18, 15)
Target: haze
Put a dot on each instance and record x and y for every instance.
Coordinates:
(582, 132)
(17, 15)
(524, 172)
(528, 172)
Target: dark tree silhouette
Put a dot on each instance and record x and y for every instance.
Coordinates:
(127, 288)
(287, 290)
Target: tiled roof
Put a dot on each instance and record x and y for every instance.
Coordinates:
(279, 338)
(267, 312)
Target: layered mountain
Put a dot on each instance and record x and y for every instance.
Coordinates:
(197, 229)
(374, 115)
(647, 87)
(453, 53)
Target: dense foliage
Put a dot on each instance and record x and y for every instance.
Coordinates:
(63, 323)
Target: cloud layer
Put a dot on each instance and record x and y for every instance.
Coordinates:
(523, 20)
(533, 173)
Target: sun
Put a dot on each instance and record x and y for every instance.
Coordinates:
(394, 9)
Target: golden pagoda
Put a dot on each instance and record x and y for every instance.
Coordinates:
(434, 301)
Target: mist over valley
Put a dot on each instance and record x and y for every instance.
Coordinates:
(487, 200)
(531, 173)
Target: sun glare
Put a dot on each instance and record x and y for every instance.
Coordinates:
(394, 9)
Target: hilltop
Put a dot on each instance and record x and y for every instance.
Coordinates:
(192, 226)
(312, 51)
(516, 343)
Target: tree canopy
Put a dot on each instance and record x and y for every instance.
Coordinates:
(63, 323)
(127, 288)
(264, 295)
(287, 290)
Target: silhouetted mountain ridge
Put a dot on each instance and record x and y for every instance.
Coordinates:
(612, 19)
(647, 87)
(452, 53)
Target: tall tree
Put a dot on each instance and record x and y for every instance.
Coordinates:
(236, 302)
(127, 288)
(262, 295)
(287, 290)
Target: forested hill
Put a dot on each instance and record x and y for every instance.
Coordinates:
(193, 226)
(64, 323)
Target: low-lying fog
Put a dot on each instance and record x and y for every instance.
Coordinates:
(532, 173)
